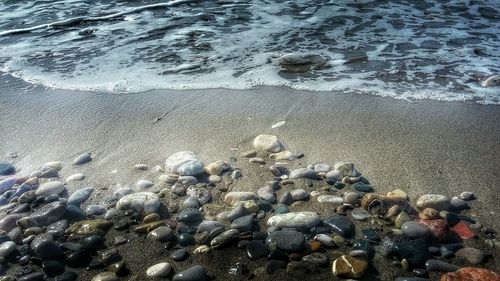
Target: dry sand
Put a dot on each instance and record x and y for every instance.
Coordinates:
(420, 147)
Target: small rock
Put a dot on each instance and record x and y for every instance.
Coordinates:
(428, 214)
(401, 219)
(287, 240)
(234, 196)
(303, 173)
(6, 248)
(75, 177)
(435, 201)
(105, 276)
(6, 169)
(297, 220)
(299, 194)
(257, 160)
(162, 234)
(49, 188)
(184, 163)
(463, 230)
(256, 250)
(467, 196)
(440, 266)
(179, 255)
(340, 224)
(144, 184)
(472, 255)
(267, 143)
(360, 214)
(413, 230)
(159, 270)
(347, 169)
(331, 199)
(195, 273)
(140, 202)
(217, 168)
(470, 274)
(214, 179)
(349, 267)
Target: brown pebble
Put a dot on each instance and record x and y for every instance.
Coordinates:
(151, 218)
(428, 214)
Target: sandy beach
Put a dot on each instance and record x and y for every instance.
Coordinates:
(420, 146)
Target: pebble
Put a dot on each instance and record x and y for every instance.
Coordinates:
(457, 204)
(217, 167)
(162, 234)
(438, 227)
(6, 248)
(325, 240)
(49, 188)
(202, 249)
(267, 193)
(413, 230)
(195, 273)
(470, 274)
(472, 255)
(283, 155)
(467, 196)
(187, 180)
(349, 267)
(428, 214)
(82, 159)
(297, 220)
(162, 269)
(105, 276)
(267, 143)
(66, 276)
(334, 175)
(299, 194)
(44, 246)
(179, 255)
(347, 169)
(463, 230)
(340, 224)
(225, 238)
(322, 168)
(184, 163)
(52, 267)
(287, 240)
(234, 196)
(317, 259)
(257, 160)
(401, 219)
(434, 201)
(351, 198)
(93, 243)
(140, 202)
(214, 179)
(75, 177)
(440, 266)
(144, 184)
(360, 214)
(332, 199)
(249, 154)
(244, 223)
(362, 187)
(236, 174)
(256, 250)
(190, 216)
(304, 173)
(95, 210)
(34, 276)
(6, 169)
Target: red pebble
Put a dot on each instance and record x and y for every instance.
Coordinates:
(439, 228)
(463, 230)
(470, 274)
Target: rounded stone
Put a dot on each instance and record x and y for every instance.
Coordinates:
(162, 234)
(52, 267)
(6, 248)
(352, 198)
(435, 201)
(297, 220)
(105, 276)
(80, 196)
(140, 202)
(49, 188)
(256, 250)
(214, 179)
(472, 255)
(44, 246)
(6, 169)
(93, 243)
(360, 214)
(195, 273)
(402, 218)
(75, 177)
(470, 274)
(331, 199)
(349, 267)
(299, 194)
(467, 196)
(184, 163)
(414, 230)
(432, 265)
(287, 240)
(267, 143)
(82, 159)
(162, 269)
(428, 214)
(144, 184)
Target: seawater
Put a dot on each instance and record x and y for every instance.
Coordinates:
(439, 50)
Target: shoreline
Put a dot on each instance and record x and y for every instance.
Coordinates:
(420, 147)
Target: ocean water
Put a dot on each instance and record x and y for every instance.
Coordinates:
(441, 50)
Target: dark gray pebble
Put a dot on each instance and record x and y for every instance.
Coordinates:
(179, 255)
(195, 273)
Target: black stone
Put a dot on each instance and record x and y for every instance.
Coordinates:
(287, 240)
(238, 270)
(52, 267)
(93, 243)
(73, 213)
(35, 276)
(278, 255)
(243, 224)
(190, 216)
(415, 251)
(256, 250)
(6, 169)
(448, 250)
(67, 276)
(195, 273)
(80, 258)
(371, 235)
(364, 245)
(109, 256)
(179, 255)
(340, 224)
(186, 239)
(259, 235)
(44, 247)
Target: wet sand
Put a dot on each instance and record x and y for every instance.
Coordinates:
(420, 147)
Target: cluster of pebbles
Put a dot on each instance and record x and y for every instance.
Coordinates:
(46, 233)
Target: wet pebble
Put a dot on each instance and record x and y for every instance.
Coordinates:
(287, 240)
(256, 250)
(413, 230)
(179, 255)
(159, 270)
(6, 248)
(105, 276)
(340, 224)
(6, 169)
(440, 266)
(80, 196)
(332, 199)
(297, 220)
(195, 273)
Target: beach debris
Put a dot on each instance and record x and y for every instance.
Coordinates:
(278, 124)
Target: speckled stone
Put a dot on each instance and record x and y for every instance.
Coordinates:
(472, 255)
(470, 274)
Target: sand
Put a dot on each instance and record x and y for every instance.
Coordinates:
(420, 146)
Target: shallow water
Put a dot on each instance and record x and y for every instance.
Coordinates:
(439, 50)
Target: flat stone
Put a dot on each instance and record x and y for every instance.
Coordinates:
(52, 267)
(457, 204)
(6, 248)
(470, 274)
(304, 173)
(162, 269)
(217, 167)
(397, 194)
(140, 202)
(162, 234)
(49, 188)
(257, 160)
(472, 255)
(360, 214)
(105, 276)
(428, 214)
(88, 227)
(349, 267)
(234, 196)
(297, 220)
(331, 199)
(184, 163)
(299, 194)
(6, 169)
(287, 240)
(75, 177)
(415, 251)
(267, 143)
(66, 276)
(179, 255)
(144, 184)
(463, 230)
(370, 235)
(340, 224)
(195, 273)
(435, 201)
(282, 155)
(440, 266)
(34, 276)
(352, 198)
(413, 230)
(325, 240)
(82, 159)
(322, 168)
